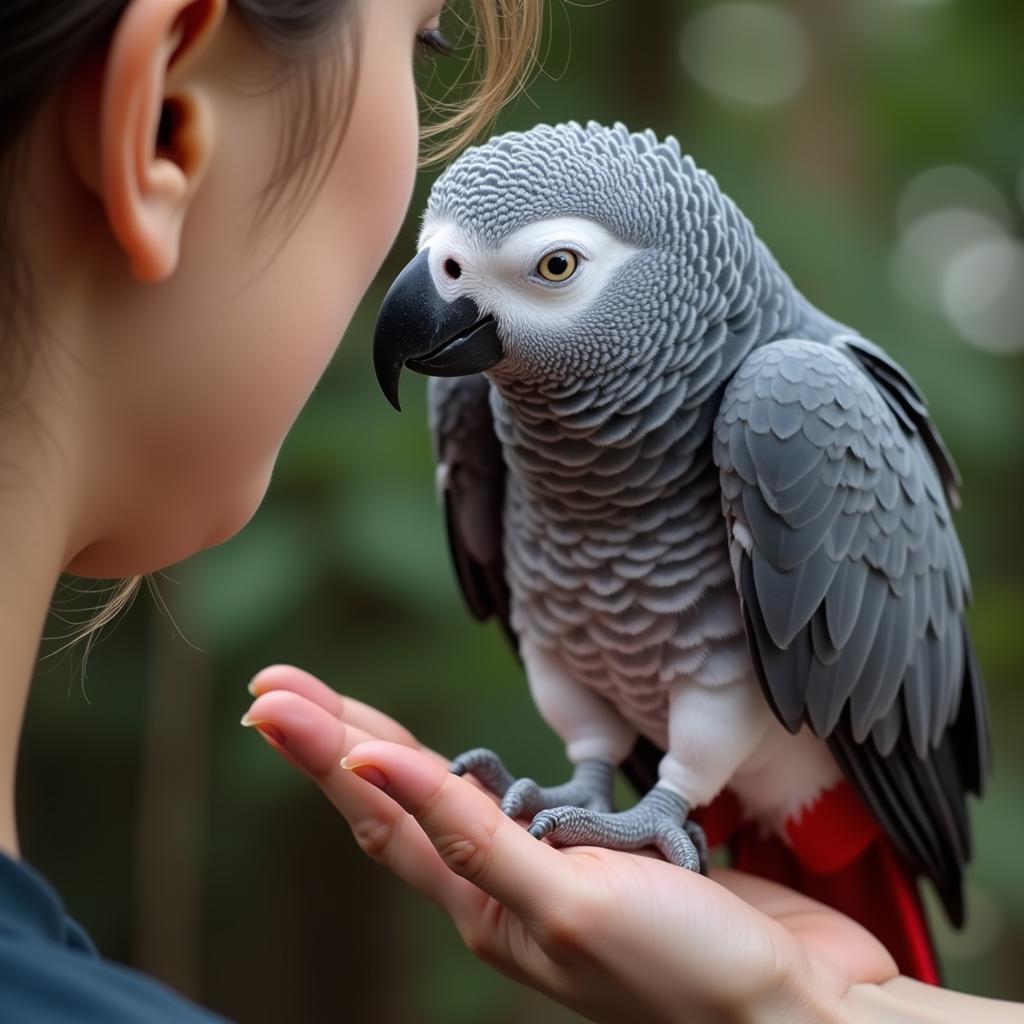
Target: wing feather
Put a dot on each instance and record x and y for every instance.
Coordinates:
(836, 487)
(471, 477)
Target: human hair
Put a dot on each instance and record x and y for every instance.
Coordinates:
(317, 41)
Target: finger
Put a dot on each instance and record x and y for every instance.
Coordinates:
(469, 831)
(295, 680)
(348, 709)
(307, 736)
(314, 741)
(377, 725)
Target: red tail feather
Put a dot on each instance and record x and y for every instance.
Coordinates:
(838, 855)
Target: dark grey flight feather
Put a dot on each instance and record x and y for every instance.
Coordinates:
(855, 613)
(472, 492)
(910, 407)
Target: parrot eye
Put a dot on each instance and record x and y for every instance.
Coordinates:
(559, 265)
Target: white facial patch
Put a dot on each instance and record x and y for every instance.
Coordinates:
(505, 282)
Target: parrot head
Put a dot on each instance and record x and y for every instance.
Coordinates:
(561, 254)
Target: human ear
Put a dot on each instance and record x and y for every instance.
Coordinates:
(140, 127)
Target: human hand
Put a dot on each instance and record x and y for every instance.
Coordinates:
(614, 936)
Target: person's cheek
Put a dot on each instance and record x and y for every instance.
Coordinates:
(382, 151)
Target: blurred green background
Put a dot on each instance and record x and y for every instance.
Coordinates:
(878, 147)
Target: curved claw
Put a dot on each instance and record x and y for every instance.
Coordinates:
(523, 798)
(548, 822)
(590, 786)
(700, 842)
(488, 768)
(676, 846)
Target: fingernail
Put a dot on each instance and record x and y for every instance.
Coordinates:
(251, 687)
(270, 731)
(368, 772)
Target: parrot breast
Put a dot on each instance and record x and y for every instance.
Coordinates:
(619, 562)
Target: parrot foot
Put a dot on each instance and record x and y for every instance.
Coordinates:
(488, 768)
(590, 786)
(658, 820)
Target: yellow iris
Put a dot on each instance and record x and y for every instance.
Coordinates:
(559, 265)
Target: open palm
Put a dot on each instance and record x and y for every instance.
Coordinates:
(612, 935)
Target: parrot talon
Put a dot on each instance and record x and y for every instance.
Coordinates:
(658, 820)
(700, 843)
(590, 786)
(522, 797)
(486, 766)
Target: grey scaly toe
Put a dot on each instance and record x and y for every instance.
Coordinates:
(658, 820)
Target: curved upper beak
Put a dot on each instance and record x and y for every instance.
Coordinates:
(419, 329)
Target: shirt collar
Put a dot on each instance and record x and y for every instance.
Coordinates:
(29, 906)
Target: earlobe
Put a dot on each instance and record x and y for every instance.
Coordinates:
(155, 131)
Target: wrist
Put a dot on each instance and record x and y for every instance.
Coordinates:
(795, 995)
(886, 1004)
(902, 1000)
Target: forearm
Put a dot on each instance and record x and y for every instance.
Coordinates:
(898, 1001)
(905, 1001)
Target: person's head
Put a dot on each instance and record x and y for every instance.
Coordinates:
(194, 195)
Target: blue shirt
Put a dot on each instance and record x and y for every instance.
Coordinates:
(50, 972)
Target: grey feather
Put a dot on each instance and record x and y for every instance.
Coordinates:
(473, 488)
(843, 600)
(887, 666)
(887, 728)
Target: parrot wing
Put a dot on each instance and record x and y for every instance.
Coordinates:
(853, 584)
(471, 488)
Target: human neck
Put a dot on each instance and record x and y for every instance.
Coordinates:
(34, 531)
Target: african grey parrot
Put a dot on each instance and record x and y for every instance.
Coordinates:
(715, 522)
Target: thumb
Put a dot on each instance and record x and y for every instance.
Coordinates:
(472, 835)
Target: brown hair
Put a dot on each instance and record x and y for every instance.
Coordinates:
(42, 41)
(508, 34)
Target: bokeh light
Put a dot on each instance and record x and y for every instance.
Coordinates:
(983, 294)
(928, 245)
(753, 54)
(955, 254)
(955, 186)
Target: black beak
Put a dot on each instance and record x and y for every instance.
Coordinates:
(418, 329)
